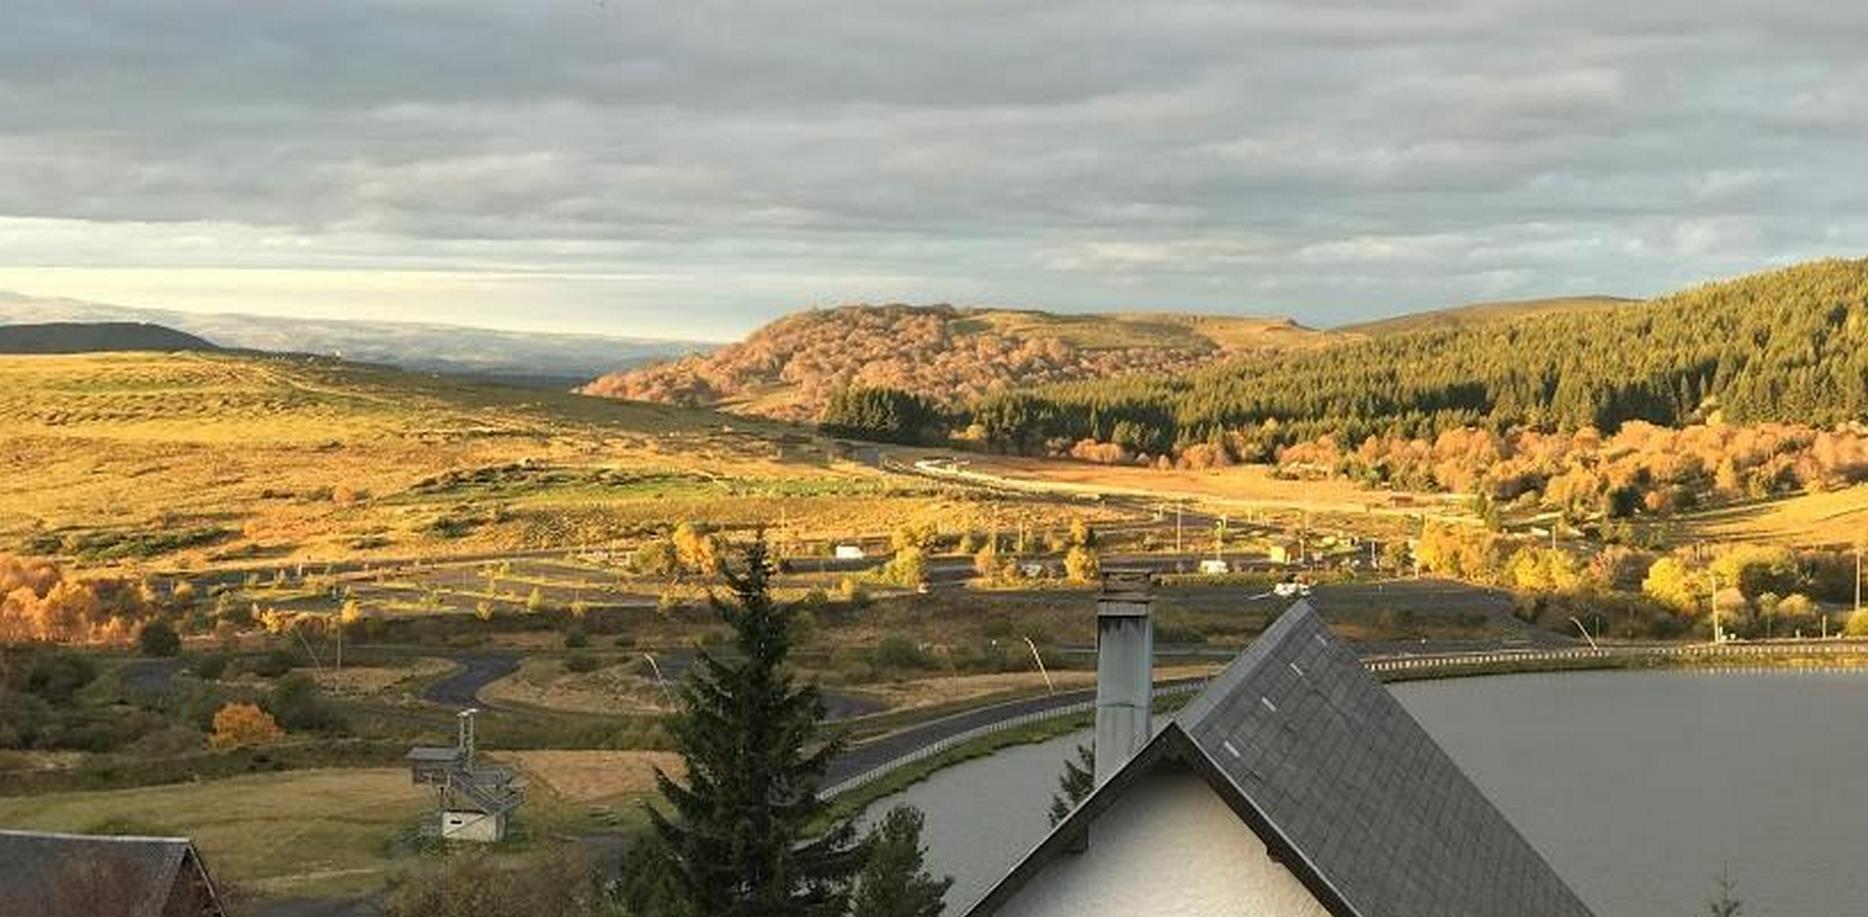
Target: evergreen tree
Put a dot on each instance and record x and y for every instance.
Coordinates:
(1075, 784)
(736, 843)
(1726, 904)
(894, 881)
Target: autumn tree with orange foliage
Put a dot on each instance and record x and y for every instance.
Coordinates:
(241, 725)
(40, 604)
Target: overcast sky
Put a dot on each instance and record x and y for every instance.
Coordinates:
(692, 168)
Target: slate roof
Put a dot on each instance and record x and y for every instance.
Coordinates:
(75, 875)
(1344, 787)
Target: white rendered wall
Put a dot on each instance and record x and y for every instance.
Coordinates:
(1169, 848)
(473, 826)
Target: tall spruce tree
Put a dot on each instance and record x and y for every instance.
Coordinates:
(736, 842)
(894, 881)
(1074, 784)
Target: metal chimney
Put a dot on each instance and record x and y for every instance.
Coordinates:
(1125, 650)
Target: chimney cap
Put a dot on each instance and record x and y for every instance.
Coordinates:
(1133, 588)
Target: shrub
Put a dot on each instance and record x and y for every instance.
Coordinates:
(158, 638)
(575, 638)
(582, 662)
(1858, 623)
(898, 652)
(298, 704)
(471, 885)
(211, 666)
(240, 725)
(908, 567)
(274, 664)
(853, 593)
(55, 676)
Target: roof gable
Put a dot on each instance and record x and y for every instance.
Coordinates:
(78, 875)
(1344, 787)
(1300, 728)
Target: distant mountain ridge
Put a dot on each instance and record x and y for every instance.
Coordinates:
(790, 368)
(90, 337)
(545, 360)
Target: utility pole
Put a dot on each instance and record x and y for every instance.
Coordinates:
(1718, 636)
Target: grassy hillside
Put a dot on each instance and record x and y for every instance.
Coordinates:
(790, 367)
(225, 458)
(88, 337)
(1482, 313)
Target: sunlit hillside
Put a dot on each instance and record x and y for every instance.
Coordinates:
(790, 367)
(204, 458)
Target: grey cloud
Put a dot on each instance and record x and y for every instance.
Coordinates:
(1329, 159)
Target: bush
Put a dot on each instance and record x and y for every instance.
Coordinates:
(1858, 623)
(211, 666)
(55, 676)
(298, 704)
(576, 639)
(470, 885)
(582, 662)
(897, 652)
(274, 664)
(158, 638)
(241, 725)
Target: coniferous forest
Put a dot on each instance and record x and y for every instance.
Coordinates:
(1789, 345)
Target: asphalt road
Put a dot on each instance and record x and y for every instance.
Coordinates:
(477, 670)
(879, 751)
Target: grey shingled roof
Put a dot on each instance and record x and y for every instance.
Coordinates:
(75, 875)
(1344, 787)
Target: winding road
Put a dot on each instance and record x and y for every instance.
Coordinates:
(461, 688)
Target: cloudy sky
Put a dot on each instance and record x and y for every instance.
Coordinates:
(693, 168)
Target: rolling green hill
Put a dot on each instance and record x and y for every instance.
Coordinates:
(95, 337)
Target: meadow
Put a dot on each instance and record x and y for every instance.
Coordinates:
(202, 461)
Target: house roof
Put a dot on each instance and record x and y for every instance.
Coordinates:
(1343, 786)
(76, 875)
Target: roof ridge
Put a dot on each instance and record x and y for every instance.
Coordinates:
(1287, 624)
(116, 838)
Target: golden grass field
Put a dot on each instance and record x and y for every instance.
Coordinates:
(583, 777)
(1836, 518)
(1241, 486)
(278, 458)
(327, 832)
(1148, 329)
(544, 682)
(322, 831)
